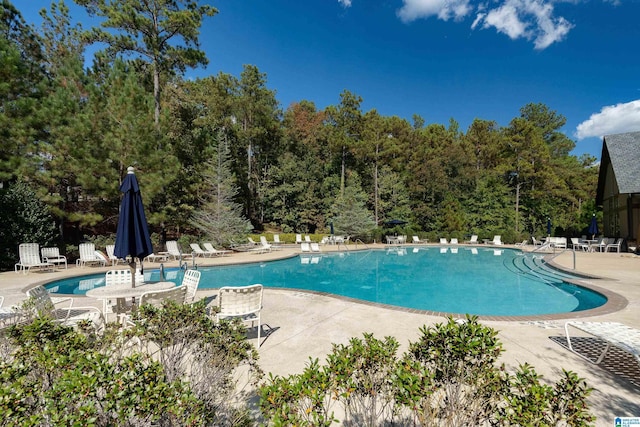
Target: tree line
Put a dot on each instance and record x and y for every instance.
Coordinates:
(219, 156)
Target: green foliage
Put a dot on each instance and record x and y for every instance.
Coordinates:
(24, 219)
(449, 376)
(71, 132)
(172, 367)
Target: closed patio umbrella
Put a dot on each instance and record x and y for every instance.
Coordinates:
(549, 227)
(132, 235)
(593, 227)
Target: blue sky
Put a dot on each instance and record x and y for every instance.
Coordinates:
(440, 59)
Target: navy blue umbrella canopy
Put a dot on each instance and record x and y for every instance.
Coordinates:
(593, 226)
(132, 235)
(548, 226)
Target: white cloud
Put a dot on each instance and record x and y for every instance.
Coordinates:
(345, 3)
(531, 19)
(443, 9)
(610, 120)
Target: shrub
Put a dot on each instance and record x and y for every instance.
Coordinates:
(173, 367)
(449, 377)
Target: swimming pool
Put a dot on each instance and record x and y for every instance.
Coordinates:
(482, 281)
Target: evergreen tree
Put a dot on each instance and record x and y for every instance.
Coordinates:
(219, 217)
(351, 216)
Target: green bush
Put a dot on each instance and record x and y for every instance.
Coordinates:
(449, 377)
(172, 367)
(25, 219)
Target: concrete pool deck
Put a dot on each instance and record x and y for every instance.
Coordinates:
(298, 325)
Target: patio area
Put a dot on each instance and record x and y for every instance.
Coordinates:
(298, 325)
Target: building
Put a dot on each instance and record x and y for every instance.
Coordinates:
(619, 185)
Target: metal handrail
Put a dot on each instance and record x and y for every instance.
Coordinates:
(361, 242)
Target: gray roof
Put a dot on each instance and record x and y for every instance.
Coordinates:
(624, 152)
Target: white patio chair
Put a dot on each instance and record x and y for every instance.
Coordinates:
(52, 255)
(174, 250)
(114, 259)
(71, 315)
(314, 247)
(217, 252)
(305, 247)
(30, 258)
(191, 281)
(197, 250)
(496, 240)
(244, 302)
(89, 256)
(617, 245)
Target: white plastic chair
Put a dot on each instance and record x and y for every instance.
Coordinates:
(52, 255)
(30, 258)
(244, 302)
(70, 316)
(191, 280)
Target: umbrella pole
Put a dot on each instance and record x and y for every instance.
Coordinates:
(132, 266)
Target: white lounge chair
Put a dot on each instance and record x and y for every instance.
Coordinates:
(244, 302)
(298, 238)
(262, 247)
(276, 242)
(314, 247)
(197, 250)
(307, 238)
(89, 256)
(305, 247)
(217, 252)
(252, 242)
(43, 304)
(617, 245)
(153, 257)
(617, 334)
(454, 241)
(112, 257)
(473, 240)
(419, 241)
(174, 250)
(52, 255)
(496, 240)
(443, 241)
(30, 258)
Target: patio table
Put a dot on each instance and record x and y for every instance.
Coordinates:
(122, 292)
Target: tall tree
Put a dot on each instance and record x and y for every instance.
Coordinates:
(22, 85)
(257, 115)
(345, 121)
(150, 29)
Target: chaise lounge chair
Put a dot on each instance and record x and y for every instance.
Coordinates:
(30, 258)
(89, 256)
(617, 334)
(217, 252)
(473, 240)
(173, 249)
(197, 250)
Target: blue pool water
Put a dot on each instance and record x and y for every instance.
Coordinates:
(482, 281)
